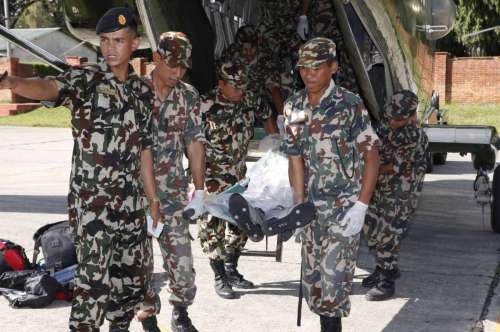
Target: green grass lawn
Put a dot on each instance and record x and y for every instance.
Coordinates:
(40, 117)
(479, 114)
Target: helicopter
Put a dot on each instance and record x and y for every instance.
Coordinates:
(402, 32)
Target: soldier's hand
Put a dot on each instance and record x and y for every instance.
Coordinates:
(195, 208)
(354, 219)
(303, 27)
(154, 210)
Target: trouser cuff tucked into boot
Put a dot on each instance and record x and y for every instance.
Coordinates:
(222, 286)
(235, 278)
(180, 321)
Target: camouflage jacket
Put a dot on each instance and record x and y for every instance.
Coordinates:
(229, 127)
(405, 149)
(332, 143)
(176, 123)
(262, 73)
(111, 125)
(278, 14)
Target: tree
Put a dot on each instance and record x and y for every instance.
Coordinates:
(472, 16)
(18, 8)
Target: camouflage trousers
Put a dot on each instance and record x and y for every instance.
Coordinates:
(323, 23)
(328, 263)
(175, 246)
(386, 223)
(217, 237)
(113, 276)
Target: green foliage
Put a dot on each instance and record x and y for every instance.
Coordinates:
(40, 117)
(472, 16)
(43, 70)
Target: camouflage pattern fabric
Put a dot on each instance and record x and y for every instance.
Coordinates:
(228, 129)
(278, 28)
(176, 123)
(234, 74)
(175, 48)
(324, 23)
(316, 51)
(111, 125)
(262, 73)
(332, 143)
(396, 195)
(403, 104)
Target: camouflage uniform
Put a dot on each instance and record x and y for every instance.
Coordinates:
(331, 144)
(262, 74)
(177, 123)
(228, 129)
(395, 196)
(111, 125)
(323, 23)
(278, 27)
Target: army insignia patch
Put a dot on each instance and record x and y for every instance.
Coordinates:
(122, 20)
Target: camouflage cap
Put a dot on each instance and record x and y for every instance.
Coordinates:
(234, 74)
(175, 48)
(403, 104)
(316, 51)
(247, 36)
(115, 19)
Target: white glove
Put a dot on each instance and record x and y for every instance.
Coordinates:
(354, 219)
(196, 204)
(303, 27)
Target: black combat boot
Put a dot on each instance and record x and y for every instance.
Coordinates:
(222, 286)
(235, 278)
(248, 218)
(180, 321)
(150, 324)
(330, 324)
(373, 279)
(385, 287)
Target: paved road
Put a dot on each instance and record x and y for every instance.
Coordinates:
(449, 261)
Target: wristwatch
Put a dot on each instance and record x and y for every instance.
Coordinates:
(153, 200)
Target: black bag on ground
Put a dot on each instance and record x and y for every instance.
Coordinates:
(39, 291)
(12, 257)
(57, 243)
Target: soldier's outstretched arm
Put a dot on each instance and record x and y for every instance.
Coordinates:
(296, 177)
(36, 89)
(370, 174)
(196, 156)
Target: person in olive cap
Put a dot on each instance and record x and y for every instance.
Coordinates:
(333, 162)
(177, 129)
(111, 173)
(400, 179)
(229, 112)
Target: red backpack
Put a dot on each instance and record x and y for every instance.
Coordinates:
(12, 257)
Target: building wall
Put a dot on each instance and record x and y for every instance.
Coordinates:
(467, 80)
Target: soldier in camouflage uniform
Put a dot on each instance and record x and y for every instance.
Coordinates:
(278, 27)
(400, 179)
(333, 162)
(111, 126)
(177, 129)
(264, 81)
(229, 113)
(323, 23)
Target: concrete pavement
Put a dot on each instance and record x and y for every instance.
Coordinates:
(450, 260)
